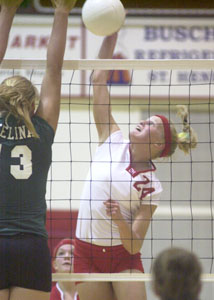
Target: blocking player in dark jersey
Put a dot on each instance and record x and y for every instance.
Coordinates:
(26, 136)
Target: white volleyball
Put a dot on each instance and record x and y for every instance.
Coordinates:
(103, 17)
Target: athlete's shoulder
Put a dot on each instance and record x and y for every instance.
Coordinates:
(43, 128)
(115, 138)
(41, 123)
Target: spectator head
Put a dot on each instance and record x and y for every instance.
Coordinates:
(177, 275)
(63, 256)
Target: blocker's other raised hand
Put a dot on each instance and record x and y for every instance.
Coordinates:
(65, 4)
(10, 3)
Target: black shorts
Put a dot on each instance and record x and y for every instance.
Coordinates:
(25, 262)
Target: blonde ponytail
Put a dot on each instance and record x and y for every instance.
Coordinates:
(187, 138)
(17, 96)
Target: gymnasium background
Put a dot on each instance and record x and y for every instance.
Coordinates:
(148, 36)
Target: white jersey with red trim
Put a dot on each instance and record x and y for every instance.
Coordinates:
(112, 177)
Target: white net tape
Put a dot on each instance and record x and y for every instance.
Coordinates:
(115, 64)
(114, 277)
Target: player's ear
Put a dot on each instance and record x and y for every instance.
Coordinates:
(33, 107)
(54, 265)
(159, 146)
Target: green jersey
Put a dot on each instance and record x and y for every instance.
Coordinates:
(24, 165)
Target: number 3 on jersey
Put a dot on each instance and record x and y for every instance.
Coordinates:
(24, 169)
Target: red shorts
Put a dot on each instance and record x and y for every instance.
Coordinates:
(89, 258)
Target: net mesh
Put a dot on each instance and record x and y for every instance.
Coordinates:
(138, 90)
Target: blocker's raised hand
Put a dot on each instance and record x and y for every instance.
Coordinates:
(67, 4)
(10, 3)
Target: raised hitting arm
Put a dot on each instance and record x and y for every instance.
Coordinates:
(8, 10)
(49, 105)
(104, 120)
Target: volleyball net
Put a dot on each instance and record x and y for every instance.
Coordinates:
(138, 89)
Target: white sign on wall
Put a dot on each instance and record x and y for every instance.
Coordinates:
(140, 38)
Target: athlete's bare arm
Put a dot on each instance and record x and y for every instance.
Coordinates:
(132, 235)
(49, 105)
(104, 120)
(8, 10)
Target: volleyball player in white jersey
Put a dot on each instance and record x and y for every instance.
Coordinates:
(26, 138)
(121, 193)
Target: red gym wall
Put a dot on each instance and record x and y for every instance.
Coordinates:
(60, 224)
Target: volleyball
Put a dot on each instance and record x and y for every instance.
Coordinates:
(103, 17)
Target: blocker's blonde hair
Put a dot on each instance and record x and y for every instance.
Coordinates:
(17, 98)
